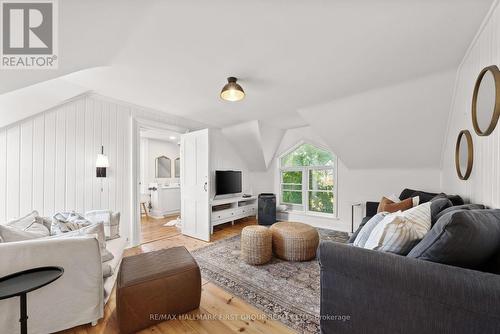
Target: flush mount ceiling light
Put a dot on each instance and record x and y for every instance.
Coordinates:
(232, 91)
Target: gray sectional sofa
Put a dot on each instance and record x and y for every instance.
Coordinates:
(367, 291)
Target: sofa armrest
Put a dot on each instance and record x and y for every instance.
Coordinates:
(371, 208)
(75, 298)
(387, 293)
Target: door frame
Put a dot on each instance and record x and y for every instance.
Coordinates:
(138, 123)
(208, 184)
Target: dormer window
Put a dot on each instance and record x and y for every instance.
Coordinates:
(308, 179)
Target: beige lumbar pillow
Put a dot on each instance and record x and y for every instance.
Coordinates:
(398, 232)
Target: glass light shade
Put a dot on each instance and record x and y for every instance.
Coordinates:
(232, 91)
(102, 161)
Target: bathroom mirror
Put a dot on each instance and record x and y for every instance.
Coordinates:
(163, 168)
(177, 167)
(464, 155)
(486, 101)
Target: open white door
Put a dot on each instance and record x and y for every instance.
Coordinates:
(195, 170)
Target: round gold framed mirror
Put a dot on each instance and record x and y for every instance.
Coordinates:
(464, 155)
(486, 101)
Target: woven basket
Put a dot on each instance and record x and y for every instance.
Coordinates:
(294, 241)
(256, 244)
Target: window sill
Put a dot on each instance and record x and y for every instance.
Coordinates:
(310, 214)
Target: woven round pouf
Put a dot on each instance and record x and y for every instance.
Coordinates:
(256, 244)
(294, 241)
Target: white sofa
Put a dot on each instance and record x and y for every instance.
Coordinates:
(77, 298)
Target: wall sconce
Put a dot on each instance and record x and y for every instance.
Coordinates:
(101, 164)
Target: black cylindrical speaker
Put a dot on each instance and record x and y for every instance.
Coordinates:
(267, 209)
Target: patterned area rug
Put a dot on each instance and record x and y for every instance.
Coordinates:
(285, 291)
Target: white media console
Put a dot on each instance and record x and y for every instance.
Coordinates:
(229, 209)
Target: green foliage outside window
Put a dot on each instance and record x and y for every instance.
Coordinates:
(307, 155)
(291, 182)
(312, 160)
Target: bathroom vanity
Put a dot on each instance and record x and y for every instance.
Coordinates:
(166, 200)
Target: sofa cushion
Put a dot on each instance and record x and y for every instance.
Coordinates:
(438, 204)
(24, 222)
(106, 255)
(386, 205)
(460, 208)
(467, 238)
(423, 195)
(31, 222)
(11, 234)
(399, 232)
(367, 229)
(94, 230)
(355, 234)
(427, 196)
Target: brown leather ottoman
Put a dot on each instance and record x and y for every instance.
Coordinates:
(153, 286)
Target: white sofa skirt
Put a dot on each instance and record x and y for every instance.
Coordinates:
(76, 298)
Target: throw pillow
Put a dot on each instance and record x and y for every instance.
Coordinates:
(367, 229)
(106, 255)
(423, 195)
(64, 222)
(438, 204)
(355, 234)
(24, 222)
(107, 271)
(29, 223)
(110, 219)
(460, 208)
(94, 230)
(467, 238)
(386, 205)
(399, 232)
(11, 234)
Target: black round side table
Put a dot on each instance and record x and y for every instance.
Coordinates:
(20, 283)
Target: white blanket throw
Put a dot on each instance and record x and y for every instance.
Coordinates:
(68, 221)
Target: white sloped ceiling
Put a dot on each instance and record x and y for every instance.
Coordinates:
(400, 126)
(255, 141)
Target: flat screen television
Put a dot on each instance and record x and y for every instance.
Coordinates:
(227, 182)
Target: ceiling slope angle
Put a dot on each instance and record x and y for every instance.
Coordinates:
(25, 102)
(400, 126)
(256, 141)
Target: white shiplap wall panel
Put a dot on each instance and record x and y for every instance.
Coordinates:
(89, 171)
(80, 155)
(13, 171)
(112, 149)
(60, 159)
(3, 174)
(38, 162)
(483, 185)
(47, 162)
(26, 167)
(105, 110)
(49, 177)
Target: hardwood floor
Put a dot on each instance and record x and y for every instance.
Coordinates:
(219, 311)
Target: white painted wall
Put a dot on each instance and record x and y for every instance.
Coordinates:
(223, 156)
(483, 185)
(150, 150)
(47, 162)
(354, 185)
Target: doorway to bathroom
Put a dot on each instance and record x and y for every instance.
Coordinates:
(159, 182)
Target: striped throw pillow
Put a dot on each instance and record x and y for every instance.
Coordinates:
(399, 232)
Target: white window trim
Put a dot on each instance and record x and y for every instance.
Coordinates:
(305, 182)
